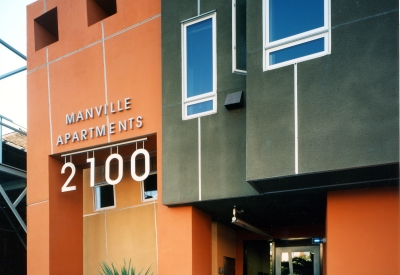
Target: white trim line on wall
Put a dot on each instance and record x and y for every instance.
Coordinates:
(49, 99)
(155, 230)
(105, 233)
(119, 209)
(105, 73)
(296, 126)
(199, 139)
(95, 43)
(36, 203)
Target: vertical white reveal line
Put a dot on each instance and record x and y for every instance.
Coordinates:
(155, 230)
(105, 233)
(199, 126)
(44, 5)
(198, 7)
(48, 97)
(105, 77)
(296, 129)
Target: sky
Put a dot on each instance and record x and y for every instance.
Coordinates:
(13, 89)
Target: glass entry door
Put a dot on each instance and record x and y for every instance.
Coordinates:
(298, 260)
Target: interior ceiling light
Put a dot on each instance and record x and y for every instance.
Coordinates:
(248, 226)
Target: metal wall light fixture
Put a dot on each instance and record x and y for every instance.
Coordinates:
(248, 226)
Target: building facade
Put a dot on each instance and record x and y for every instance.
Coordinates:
(94, 93)
(213, 137)
(287, 111)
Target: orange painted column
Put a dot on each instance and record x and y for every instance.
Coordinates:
(184, 246)
(66, 223)
(362, 229)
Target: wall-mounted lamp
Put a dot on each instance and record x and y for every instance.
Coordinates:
(234, 100)
(248, 226)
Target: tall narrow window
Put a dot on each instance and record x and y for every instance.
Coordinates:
(295, 31)
(239, 36)
(199, 67)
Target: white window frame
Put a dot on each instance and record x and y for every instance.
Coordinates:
(95, 199)
(322, 32)
(234, 64)
(207, 96)
(142, 189)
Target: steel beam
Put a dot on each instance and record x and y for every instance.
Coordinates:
(12, 72)
(12, 170)
(11, 48)
(14, 184)
(1, 139)
(20, 197)
(13, 226)
(11, 205)
(12, 128)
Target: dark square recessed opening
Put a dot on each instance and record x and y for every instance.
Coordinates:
(46, 29)
(98, 10)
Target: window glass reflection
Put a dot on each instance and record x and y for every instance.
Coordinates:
(297, 51)
(297, 263)
(201, 107)
(291, 17)
(199, 58)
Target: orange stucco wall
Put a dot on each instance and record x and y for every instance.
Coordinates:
(363, 232)
(184, 241)
(124, 232)
(88, 66)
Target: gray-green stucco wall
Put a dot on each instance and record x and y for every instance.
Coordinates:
(348, 104)
(222, 135)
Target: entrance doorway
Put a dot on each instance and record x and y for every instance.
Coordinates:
(282, 257)
(299, 258)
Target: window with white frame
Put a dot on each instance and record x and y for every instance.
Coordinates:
(199, 75)
(239, 36)
(295, 31)
(104, 196)
(149, 187)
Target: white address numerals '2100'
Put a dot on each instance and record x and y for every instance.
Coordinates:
(118, 157)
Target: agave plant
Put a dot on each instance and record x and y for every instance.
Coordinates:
(106, 269)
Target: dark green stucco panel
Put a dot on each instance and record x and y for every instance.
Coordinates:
(345, 12)
(254, 29)
(180, 158)
(173, 12)
(223, 156)
(270, 121)
(348, 101)
(270, 108)
(222, 134)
